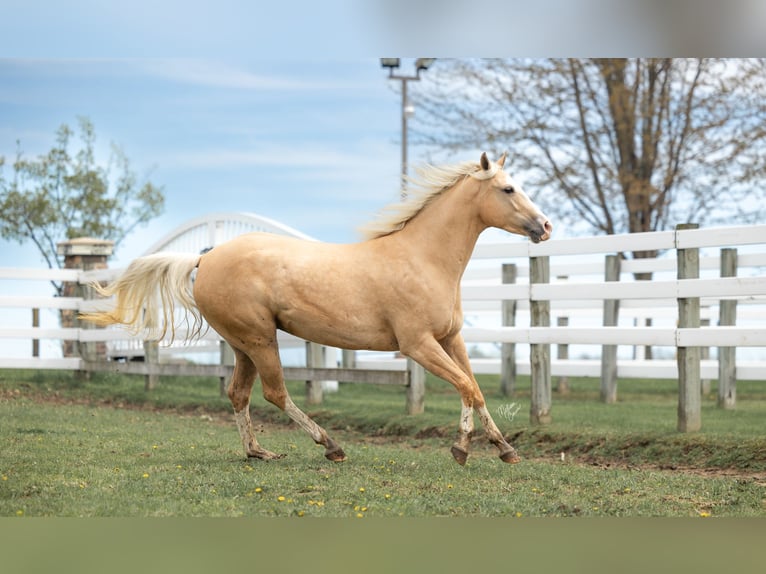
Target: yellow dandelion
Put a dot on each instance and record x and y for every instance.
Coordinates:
(300, 513)
(449, 486)
(387, 496)
(19, 512)
(359, 515)
(704, 514)
(258, 489)
(145, 475)
(320, 503)
(281, 498)
(519, 515)
(5, 477)
(361, 489)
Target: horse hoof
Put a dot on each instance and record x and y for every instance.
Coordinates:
(510, 456)
(335, 455)
(459, 455)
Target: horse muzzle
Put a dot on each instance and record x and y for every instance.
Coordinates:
(540, 231)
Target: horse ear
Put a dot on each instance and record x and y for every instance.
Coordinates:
(484, 161)
(501, 161)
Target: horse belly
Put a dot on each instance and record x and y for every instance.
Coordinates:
(338, 327)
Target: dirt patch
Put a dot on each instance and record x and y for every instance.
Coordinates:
(435, 432)
(757, 476)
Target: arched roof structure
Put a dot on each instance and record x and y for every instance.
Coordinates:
(201, 233)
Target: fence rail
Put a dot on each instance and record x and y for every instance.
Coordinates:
(576, 292)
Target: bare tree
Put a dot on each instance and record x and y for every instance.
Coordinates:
(619, 145)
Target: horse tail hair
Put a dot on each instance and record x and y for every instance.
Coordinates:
(146, 295)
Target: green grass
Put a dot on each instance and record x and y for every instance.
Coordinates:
(106, 448)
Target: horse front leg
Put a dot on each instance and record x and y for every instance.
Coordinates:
(433, 357)
(448, 359)
(455, 348)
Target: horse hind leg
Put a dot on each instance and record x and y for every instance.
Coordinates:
(239, 394)
(274, 391)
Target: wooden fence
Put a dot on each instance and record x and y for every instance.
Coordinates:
(582, 283)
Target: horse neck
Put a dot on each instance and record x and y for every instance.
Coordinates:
(446, 230)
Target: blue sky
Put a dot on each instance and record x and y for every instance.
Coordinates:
(282, 108)
(313, 144)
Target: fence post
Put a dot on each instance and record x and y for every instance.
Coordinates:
(85, 254)
(609, 352)
(562, 350)
(348, 359)
(416, 389)
(151, 357)
(36, 323)
(727, 356)
(540, 354)
(314, 359)
(704, 355)
(562, 354)
(330, 360)
(689, 387)
(508, 350)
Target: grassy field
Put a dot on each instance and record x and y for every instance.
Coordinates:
(106, 448)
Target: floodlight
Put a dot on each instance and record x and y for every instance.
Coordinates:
(423, 63)
(390, 63)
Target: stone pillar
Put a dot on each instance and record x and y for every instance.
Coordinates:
(85, 253)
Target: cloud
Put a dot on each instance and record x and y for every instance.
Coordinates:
(368, 155)
(218, 74)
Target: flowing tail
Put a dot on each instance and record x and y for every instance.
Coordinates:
(146, 296)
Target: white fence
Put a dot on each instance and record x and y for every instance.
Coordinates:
(573, 302)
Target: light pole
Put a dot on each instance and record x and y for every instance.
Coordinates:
(408, 109)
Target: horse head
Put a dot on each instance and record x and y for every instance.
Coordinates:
(506, 206)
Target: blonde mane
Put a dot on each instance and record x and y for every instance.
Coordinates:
(431, 181)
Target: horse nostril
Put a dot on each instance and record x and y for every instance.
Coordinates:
(547, 226)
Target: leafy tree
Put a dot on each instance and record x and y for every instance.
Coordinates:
(66, 193)
(619, 145)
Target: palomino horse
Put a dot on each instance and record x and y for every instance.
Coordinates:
(397, 290)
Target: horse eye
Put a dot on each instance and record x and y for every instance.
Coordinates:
(508, 189)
